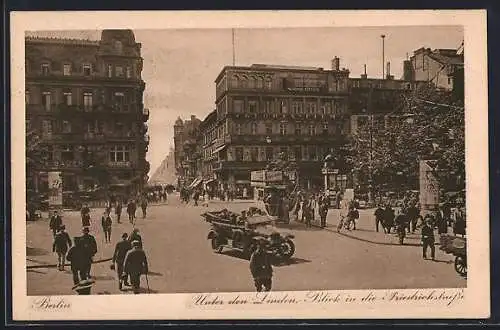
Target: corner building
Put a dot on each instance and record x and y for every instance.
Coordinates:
(265, 110)
(85, 101)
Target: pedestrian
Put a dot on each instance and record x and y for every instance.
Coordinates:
(261, 269)
(144, 206)
(55, 223)
(441, 222)
(196, 197)
(61, 244)
(323, 210)
(76, 256)
(428, 239)
(106, 226)
(89, 246)
(459, 223)
(134, 265)
(121, 250)
(135, 236)
(379, 218)
(388, 218)
(118, 210)
(131, 208)
(85, 210)
(107, 206)
(413, 213)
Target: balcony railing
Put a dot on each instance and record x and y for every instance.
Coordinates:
(63, 164)
(121, 164)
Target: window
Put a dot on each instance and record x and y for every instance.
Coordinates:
(66, 126)
(239, 153)
(118, 46)
(119, 154)
(234, 81)
(298, 129)
(269, 128)
(254, 154)
(252, 106)
(297, 107)
(87, 100)
(449, 80)
(110, 71)
(119, 101)
(312, 129)
(119, 71)
(87, 69)
(254, 128)
(269, 84)
(27, 97)
(283, 107)
(46, 100)
(46, 127)
(244, 82)
(312, 153)
(67, 69)
(252, 83)
(45, 69)
(129, 72)
(269, 153)
(268, 106)
(238, 129)
(67, 98)
(284, 152)
(298, 153)
(238, 106)
(48, 153)
(325, 128)
(260, 83)
(283, 128)
(67, 153)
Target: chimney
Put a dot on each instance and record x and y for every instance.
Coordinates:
(336, 64)
(388, 70)
(364, 75)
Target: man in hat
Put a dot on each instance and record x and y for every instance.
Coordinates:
(121, 250)
(144, 206)
(135, 236)
(428, 238)
(89, 246)
(379, 217)
(118, 210)
(85, 212)
(61, 244)
(106, 226)
(261, 269)
(134, 265)
(76, 256)
(55, 223)
(131, 208)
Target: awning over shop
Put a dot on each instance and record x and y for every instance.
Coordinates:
(222, 147)
(196, 182)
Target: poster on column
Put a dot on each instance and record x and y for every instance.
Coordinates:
(55, 189)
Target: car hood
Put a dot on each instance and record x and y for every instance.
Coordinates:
(270, 229)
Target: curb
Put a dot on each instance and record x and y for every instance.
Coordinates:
(55, 265)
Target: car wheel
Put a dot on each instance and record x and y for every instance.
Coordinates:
(288, 249)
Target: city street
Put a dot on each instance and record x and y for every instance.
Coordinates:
(181, 260)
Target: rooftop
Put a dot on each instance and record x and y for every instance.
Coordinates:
(61, 41)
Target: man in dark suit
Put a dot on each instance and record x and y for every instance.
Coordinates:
(89, 246)
(55, 223)
(261, 269)
(61, 244)
(428, 239)
(121, 250)
(134, 265)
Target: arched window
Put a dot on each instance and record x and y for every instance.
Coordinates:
(244, 82)
(254, 128)
(234, 81)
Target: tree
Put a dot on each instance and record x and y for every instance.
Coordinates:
(426, 124)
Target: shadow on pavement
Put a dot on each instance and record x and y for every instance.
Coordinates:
(33, 252)
(297, 226)
(375, 242)
(292, 261)
(155, 274)
(36, 271)
(103, 278)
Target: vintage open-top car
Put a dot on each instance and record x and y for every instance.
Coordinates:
(242, 233)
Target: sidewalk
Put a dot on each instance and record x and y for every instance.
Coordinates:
(39, 237)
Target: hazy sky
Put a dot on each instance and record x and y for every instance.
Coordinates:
(180, 66)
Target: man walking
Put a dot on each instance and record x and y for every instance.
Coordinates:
(135, 236)
(261, 269)
(55, 223)
(118, 210)
(428, 239)
(85, 212)
(379, 218)
(134, 265)
(89, 246)
(106, 223)
(131, 207)
(76, 256)
(121, 250)
(323, 210)
(144, 206)
(62, 243)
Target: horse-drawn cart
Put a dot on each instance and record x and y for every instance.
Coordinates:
(242, 233)
(458, 247)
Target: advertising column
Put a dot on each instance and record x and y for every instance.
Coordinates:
(55, 189)
(429, 188)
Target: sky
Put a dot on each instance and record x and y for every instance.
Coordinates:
(180, 65)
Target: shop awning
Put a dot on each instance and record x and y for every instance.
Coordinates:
(222, 147)
(195, 182)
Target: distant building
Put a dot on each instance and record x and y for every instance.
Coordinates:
(443, 67)
(263, 111)
(85, 101)
(186, 149)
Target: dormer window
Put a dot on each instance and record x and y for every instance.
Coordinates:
(45, 69)
(118, 46)
(87, 69)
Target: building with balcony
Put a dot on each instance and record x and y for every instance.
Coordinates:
(187, 150)
(84, 99)
(264, 111)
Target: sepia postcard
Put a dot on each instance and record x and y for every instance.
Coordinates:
(249, 165)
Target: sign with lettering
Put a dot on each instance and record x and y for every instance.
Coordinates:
(274, 176)
(257, 176)
(429, 187)
(55, 188)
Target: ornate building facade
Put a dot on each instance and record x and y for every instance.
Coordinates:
(264, 112)
(84, 100)
(187, 156)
